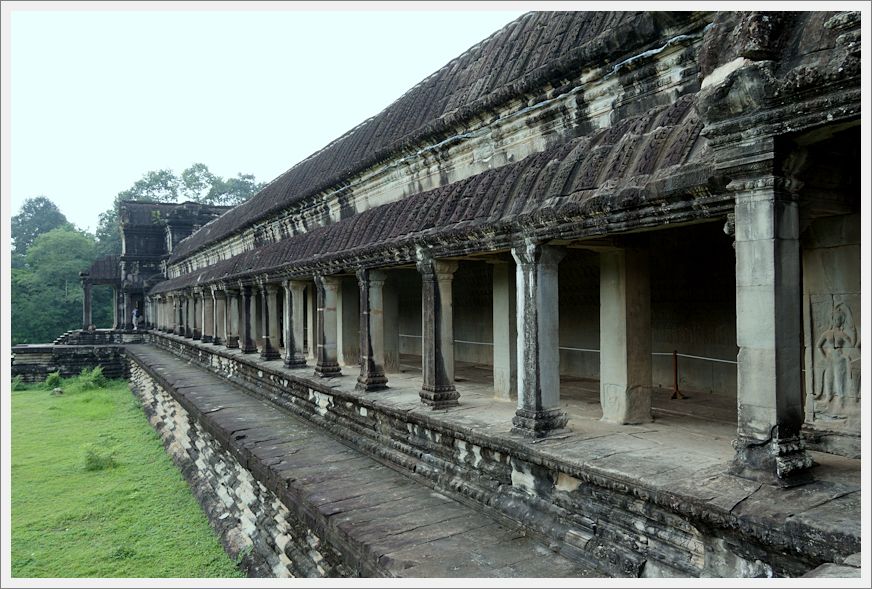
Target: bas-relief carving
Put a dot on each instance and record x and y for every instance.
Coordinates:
(835, 390)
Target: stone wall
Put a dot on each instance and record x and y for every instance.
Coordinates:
(831, 326)
(254, 525)
(34, 362)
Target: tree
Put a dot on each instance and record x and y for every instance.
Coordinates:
(233, 191)
(197, 182)
(37, 216)
(108, 232)
(46, 292)
(154, 186)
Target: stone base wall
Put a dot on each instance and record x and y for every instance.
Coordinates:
(101, 337)
(598, 517)
(254, 525)
(34, 362)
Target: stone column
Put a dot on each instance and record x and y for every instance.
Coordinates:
(505, 331)
(769, 446)
(246, 321)
(295, 356)
(177, 327)
(269, 349)
(437, 313)
(391, 327)
(231, 318)
(257, 317)
(538, 414)
(115, 324)
(196, 307)
(189, 320)
(208, 316)
(219, 304)
(625, 336)
(372, 327)
(126, 310)
(327, 287)
(86, 304)
(348, 324)
(312, 314)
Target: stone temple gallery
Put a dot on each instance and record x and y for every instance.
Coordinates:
(583, 302)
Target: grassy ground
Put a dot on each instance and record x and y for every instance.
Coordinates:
(94, 494)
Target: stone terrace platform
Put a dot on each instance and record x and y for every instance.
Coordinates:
(384, 521)
(657, 495)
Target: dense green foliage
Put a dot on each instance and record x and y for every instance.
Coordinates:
(95, 495)
(37, 216)
(46, 289)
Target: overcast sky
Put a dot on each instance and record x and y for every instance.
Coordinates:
(98, 98)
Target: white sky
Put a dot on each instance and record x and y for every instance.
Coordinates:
(98, 98)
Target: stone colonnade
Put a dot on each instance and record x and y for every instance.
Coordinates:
(526, 352)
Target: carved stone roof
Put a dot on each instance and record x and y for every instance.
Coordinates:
(104, 269)
(538, 49)
(134, 212)
(630, 165)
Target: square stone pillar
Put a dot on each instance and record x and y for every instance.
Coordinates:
(312, 320)
(257, 317)
(505, 333)
(231, 317)
(327, 291)
(391, 305)
(437, 315)
(538, 373)
(208, 304)
(126, 311)
(295, 356)
(372, 327)
(196, 312)
(769, 446)
(625, 336)
(246, 320)
(219, 307)
(189, 319)
(86, 304)
(348, 323)
(178, 315)
(269, 349)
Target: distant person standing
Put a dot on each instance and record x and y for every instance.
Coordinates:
(135, 317)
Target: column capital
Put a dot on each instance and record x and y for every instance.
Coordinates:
(430, 267)
(534, 252)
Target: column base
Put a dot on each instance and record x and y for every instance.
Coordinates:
(197, 334)
(439, 397)
(327, 369)
(372, 382)
(539, 424)
(247, 347)
(217, 341)
(206, 339)
(783, 462)
(295, 362)
(268, 352)
(232, 341)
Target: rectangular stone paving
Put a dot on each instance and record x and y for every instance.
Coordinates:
(400, 526)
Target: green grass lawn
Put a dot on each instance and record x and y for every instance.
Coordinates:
(74, 516)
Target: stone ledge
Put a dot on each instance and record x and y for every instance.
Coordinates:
(381, 522)
(519, 479)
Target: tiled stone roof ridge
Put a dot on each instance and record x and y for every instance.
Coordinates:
(528, 53)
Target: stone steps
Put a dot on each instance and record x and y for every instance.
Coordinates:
(382, 522)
